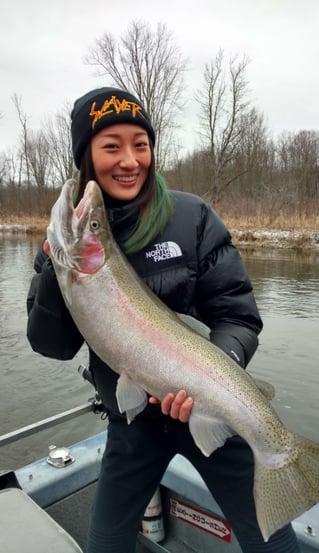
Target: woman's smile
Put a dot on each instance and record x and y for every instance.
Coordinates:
(126, 180)
(121, 156)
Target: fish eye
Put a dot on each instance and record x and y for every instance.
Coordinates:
(95, 224)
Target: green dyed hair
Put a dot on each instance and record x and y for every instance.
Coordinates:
(153, 217)
(154, 204)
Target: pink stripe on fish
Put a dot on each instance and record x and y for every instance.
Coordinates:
(155, 336)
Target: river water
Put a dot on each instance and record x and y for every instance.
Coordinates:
(33, 387)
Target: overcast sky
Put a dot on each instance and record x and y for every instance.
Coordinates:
(43, 44)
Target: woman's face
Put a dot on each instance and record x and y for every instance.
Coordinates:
(121, 156)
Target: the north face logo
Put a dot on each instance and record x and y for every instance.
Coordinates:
(164, 250)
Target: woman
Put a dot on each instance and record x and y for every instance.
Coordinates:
(184, 253)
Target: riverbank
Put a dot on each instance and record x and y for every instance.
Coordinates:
(299, 240)
(23, 225)
(254, 236)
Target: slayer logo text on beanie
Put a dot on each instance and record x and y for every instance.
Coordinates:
(114, 106)
(103, 107)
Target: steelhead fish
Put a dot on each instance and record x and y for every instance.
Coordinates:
(155, 352)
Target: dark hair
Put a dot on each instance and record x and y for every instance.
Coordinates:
(154, 203)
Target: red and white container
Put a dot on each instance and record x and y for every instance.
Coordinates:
(152, 523)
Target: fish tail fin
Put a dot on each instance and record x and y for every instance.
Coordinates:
(285, 491)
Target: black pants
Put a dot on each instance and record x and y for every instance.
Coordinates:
(133, 464)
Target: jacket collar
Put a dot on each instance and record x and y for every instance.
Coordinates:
(123, 217)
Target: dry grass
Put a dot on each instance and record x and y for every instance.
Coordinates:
(27, 224)
(295, 231)
(291, 222)
(298, 232)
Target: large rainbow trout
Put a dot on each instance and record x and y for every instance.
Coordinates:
(155, 352)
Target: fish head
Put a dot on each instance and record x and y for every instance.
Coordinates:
(79, 238)
(92, 234)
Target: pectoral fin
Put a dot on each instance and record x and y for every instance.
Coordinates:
(130, 397)
(266, 388)
(208, 434)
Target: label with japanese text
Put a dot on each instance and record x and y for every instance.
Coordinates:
(201, 519)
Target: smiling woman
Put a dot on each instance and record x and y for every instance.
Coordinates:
(200, 272)
(121, 156)
(103, 123)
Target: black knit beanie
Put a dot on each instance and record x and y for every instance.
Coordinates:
(101, 108)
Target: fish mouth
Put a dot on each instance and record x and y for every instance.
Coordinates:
(75, 234)
(89, 256)
(91, 200)
(93, 194)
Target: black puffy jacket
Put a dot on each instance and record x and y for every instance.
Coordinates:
(192, 266)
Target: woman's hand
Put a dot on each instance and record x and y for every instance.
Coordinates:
(46, 247)
(178, 406)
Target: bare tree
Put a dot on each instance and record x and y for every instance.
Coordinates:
(39, 159)
(254, 155)
(8, 167)
(3, 167)
(298, 161)
(58, 135)
(150, 65)
(223, 117)
(24, 160)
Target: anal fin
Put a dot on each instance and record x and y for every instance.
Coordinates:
(131, 399)
(208, 434)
